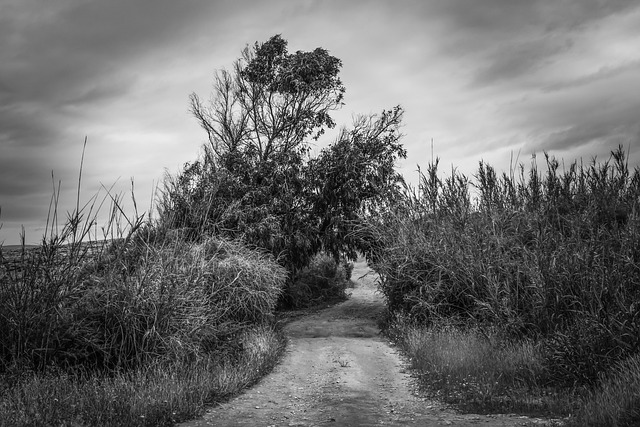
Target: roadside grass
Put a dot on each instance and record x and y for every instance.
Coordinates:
(616, 400)
(158, 395)
(478, 370)
(135, 334)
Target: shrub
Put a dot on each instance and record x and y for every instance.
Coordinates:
(322, 280)
(347, 266)
(144, 327)
(173, 299)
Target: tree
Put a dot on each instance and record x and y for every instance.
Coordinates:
(270, 103)
(255, 180)
(260, 117)
(355, 177)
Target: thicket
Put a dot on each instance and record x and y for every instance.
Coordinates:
(256, 180)
(323, 280)
(551, 255)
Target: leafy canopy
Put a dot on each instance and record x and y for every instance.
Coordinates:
(270, 102)
(256, 181)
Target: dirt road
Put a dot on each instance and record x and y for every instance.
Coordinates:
(339, 371)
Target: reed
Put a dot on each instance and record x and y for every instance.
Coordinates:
(550, 256)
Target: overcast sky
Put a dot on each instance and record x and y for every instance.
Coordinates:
(483, 79)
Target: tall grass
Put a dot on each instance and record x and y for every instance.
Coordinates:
(131, 300)
(154, 395)
(616, 401)
(479, 369)
(550, 255)
(141, 326)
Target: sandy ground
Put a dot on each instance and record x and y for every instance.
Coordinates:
(339, 371)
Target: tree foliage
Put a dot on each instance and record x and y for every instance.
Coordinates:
(255, 180)
(354, 177)
(269, 103)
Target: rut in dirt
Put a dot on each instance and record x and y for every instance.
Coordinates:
(339, 370)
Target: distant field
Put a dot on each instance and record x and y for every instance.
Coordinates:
(16, 247)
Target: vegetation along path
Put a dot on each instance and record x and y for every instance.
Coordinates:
(339, 371)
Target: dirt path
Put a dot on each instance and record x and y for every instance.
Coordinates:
(339, 371)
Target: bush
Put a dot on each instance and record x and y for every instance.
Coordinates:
(134, 302)
(578, 354)
(348, 268)
(323, 280)
(144, 329)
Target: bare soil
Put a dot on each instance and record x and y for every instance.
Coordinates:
(340, 371)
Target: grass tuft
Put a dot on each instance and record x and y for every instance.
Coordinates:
(616, 401)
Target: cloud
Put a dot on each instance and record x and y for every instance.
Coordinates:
(542, 76)
(608, 127)
(54, 57)
(480, 78)
(517, 59)
(604, 73)
(491, 20)
(62, 68)
(499, 41)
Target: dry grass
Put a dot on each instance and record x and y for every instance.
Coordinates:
(478, 369)
(616, 401)
(161, 394)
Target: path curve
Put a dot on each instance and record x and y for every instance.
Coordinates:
(340, 371)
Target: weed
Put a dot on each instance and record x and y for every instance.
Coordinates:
(616, 401)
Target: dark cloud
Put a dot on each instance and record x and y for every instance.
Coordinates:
(526, 58)
(478, 22)
(605, 72)
(79, 45)
(60, 63)
(601, 111)
(606, 128)
(29, 135)
(504, 40)
(576, 14)
(519, 58)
